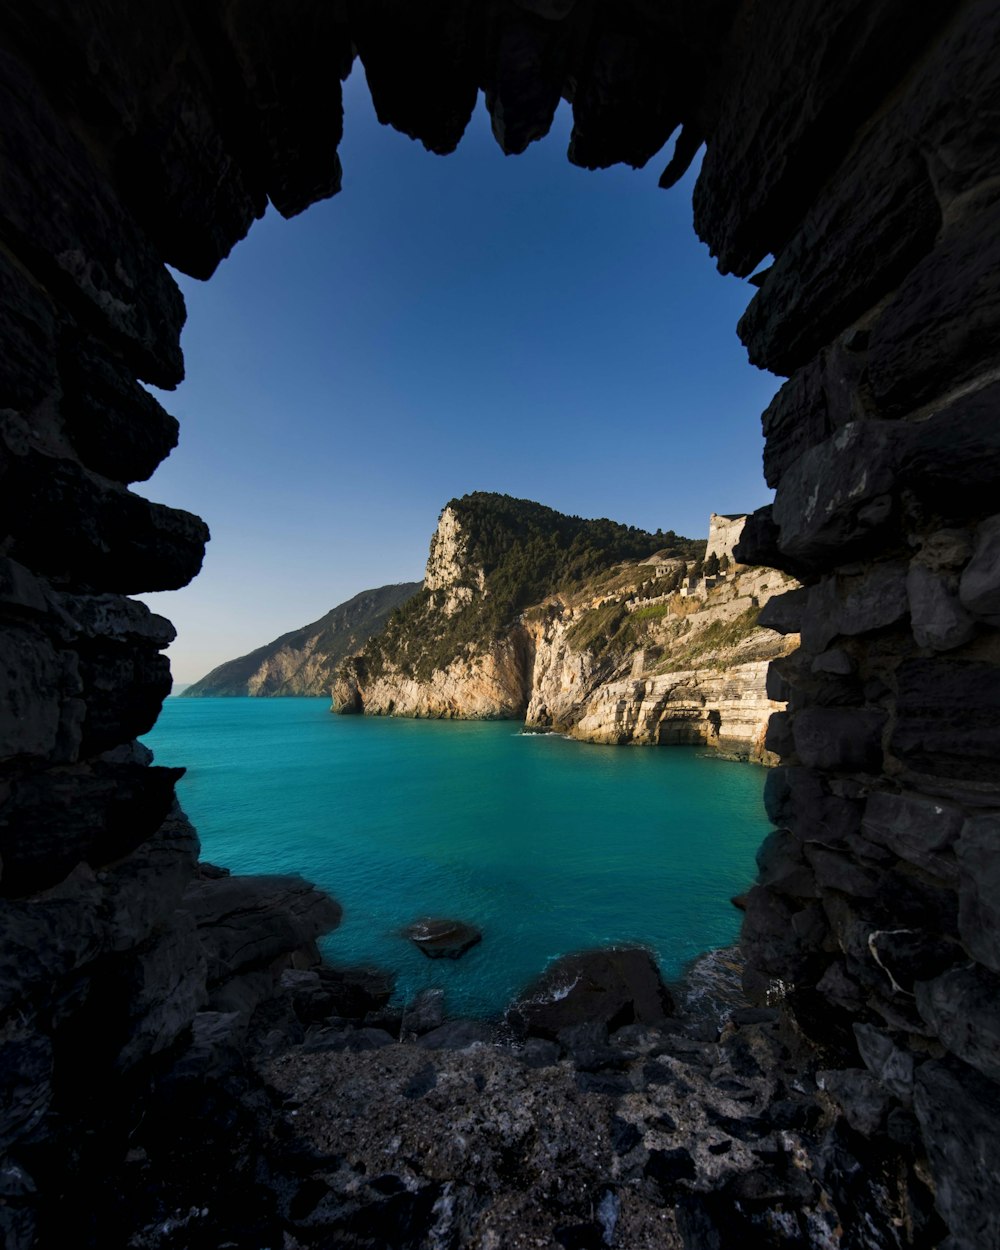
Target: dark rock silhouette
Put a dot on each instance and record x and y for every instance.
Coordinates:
(442, 939)
(612, 988)
(854, 144)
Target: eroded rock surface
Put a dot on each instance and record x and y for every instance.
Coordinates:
(668, 1136)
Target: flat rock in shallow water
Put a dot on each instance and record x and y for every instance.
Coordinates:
(442, 939)
(609, 987)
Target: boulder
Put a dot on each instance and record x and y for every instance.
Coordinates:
(424, 1014)
(613, 987)
(356, 993)
(940, 622)
(963, 1008)
(457, 1035)
(891, 1066)
(946, 719)
(245, 922)
(842, 739)
(859, 1095)
(251, 929)
(442, 939)
(918, 829)
(979, 889)
(980, 586)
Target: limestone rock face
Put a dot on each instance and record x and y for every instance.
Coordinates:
(726, 710)
(486, 685)
(447, 563)
(652, 696)
(640, 654)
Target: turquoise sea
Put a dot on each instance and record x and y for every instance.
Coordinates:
(548, 845)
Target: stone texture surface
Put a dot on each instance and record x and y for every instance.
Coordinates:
(88, 248)
(247, 924)
(443, 939)
(957, 1111)
(781, 133)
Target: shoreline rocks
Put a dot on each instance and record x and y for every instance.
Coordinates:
(651, 1136)
(610, 987)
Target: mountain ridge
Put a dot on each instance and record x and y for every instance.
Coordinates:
(302, 661)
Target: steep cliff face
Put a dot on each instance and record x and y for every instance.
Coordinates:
(460, 648)
(304, 661)
(490, 683)
(641, 652)
(680, 670)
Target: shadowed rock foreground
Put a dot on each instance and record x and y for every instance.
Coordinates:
(320, 1131)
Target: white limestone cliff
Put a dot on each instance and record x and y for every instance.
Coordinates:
(692, 670)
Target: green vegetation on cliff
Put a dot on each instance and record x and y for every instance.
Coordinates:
(612, 631)
(513, 554)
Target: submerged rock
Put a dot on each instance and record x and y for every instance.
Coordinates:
(609, 987)
(443, 939)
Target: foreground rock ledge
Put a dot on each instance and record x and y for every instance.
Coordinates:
(305, 1131)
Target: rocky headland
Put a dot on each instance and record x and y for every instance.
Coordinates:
(660, 648)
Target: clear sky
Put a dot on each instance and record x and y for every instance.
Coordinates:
(447, 324)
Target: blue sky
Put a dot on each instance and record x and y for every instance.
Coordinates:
(447, 324)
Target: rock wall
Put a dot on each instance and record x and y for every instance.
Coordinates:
(487, 684)
(856, 144)
(875, 912)
(656, 697)
(728, 711)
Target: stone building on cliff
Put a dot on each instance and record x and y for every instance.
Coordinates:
(724, 531)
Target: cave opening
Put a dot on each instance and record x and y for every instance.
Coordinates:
(856, 145)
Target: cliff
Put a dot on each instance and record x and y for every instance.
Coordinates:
(458, 648)
(644, 650)
(661, 669)
(303, 661)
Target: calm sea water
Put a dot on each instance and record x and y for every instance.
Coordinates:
(548, 845)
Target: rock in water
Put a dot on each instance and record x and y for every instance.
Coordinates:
(443, 939)
(610, 987)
